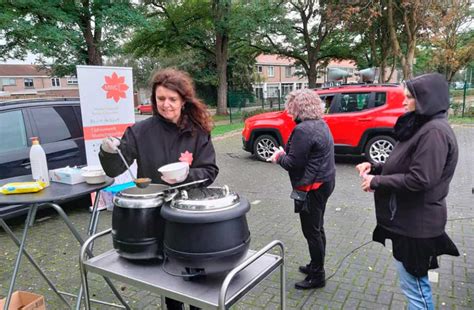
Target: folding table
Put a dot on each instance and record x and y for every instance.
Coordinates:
(49, 197)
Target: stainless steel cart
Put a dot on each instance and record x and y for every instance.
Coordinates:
(210, 293)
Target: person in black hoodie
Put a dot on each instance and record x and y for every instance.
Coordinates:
(309, 159)
(179, 130)
(411, 187)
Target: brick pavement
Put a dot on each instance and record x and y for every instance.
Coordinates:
(365, 280)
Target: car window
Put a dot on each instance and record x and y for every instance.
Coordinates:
(77, 111)
(55, 124)
(353, 102)
(327, 101)
(12, 131)
(380, 99)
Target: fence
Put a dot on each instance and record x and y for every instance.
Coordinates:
(242, 104)
(461, 96)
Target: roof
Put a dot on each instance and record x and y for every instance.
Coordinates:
(274, 60)
(7, 70)
(358, 87)
(278, 60)
(37, 102)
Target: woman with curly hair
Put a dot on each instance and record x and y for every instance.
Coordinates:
(309, 159)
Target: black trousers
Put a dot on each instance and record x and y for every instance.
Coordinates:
(312, 223)
(172, 304)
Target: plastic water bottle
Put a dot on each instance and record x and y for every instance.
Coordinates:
(39, 165)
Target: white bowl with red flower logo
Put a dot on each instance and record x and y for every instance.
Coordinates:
(174, 171)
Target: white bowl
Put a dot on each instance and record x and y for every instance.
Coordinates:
(175, 170)
(93, 174)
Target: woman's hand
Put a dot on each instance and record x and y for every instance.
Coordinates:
(366, 179)
(110, 145)
(179, 180)
(277, 152)
(364, 168)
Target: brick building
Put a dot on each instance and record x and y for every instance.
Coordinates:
(24, 81)
(277, 76)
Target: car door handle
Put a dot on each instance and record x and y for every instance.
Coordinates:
(364, 119)
(26, 164)
(65, 156)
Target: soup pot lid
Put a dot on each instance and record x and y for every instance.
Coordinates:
(205, 199)
(151, 191)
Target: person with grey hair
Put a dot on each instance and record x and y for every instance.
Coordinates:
(309, 159)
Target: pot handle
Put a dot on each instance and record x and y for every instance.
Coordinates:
(170, 196)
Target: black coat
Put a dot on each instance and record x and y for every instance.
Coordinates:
(309, 154)
(410, 192)
(155, 142)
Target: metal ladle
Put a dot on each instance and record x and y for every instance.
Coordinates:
(140, 182)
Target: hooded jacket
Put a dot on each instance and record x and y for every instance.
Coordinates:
(410, 192)
(155, 142)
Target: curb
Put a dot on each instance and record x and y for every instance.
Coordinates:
(227, 135)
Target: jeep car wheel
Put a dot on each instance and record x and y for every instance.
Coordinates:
(379, 148)
(263, 147)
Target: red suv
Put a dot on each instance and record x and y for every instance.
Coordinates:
(144, 109)
(360, 117)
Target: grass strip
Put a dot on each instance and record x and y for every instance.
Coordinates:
(219, 130)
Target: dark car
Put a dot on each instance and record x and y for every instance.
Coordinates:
(57, 123)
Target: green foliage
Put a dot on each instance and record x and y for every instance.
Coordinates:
(309, 32)
(184, 35)
(219, 130)
(247, 114)
(65, 32)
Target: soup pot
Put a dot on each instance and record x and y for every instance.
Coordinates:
(206, 230)
(137, 226)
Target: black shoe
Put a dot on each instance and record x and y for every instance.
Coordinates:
(304, 269)
(310, 282)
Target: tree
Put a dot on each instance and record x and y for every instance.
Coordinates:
(309, 32)
(66, 31)
(408, 21)
(368, 21)
(209, 29)
(451, 39)
(178, 27)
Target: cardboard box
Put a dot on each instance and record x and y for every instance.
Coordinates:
(67, 175)
(24, 301)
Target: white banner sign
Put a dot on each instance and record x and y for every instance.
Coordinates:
(106, 95)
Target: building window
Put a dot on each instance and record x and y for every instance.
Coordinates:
(55, 82)
(259, 69)
(28, 83)
(286, 89)
(298, 85)
(8, 82)
(72, 80)
(271, 72)
(273, 91)
(288, 72)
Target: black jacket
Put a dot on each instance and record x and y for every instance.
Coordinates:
(309, 154)
(155, 142)
(410, 192)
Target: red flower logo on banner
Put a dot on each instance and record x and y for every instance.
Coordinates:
(186, 157)
(115, 87)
